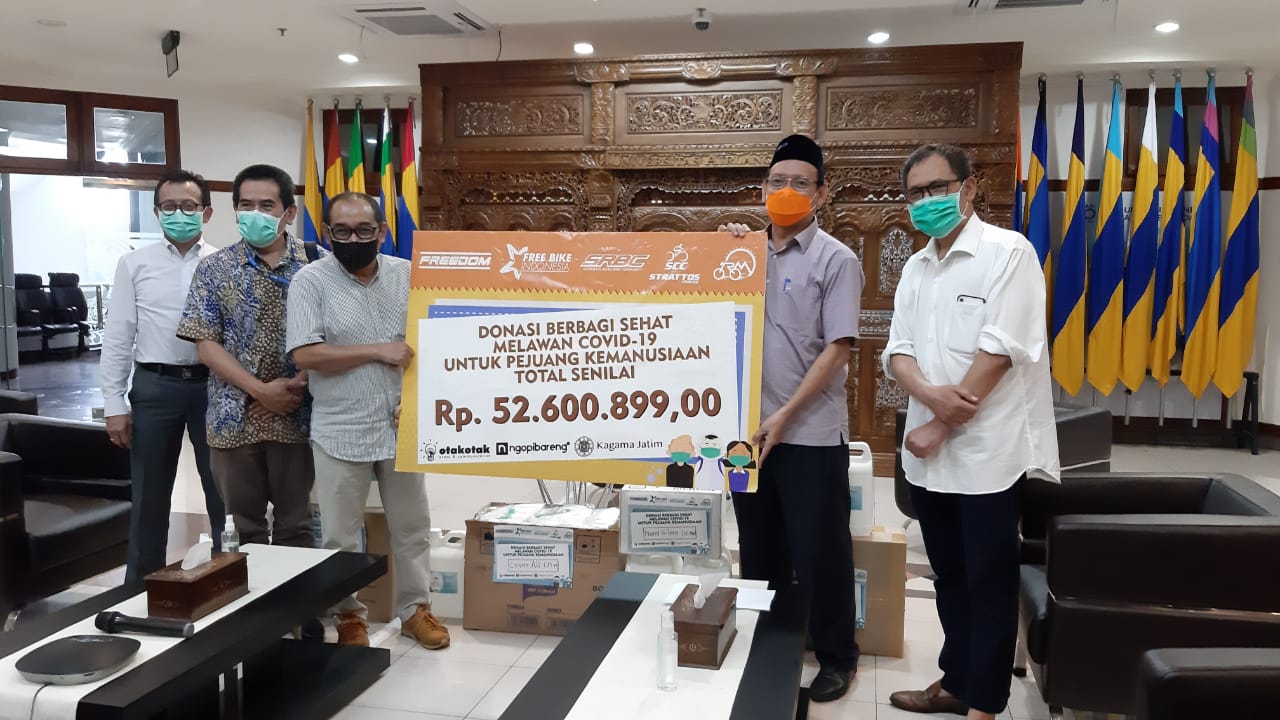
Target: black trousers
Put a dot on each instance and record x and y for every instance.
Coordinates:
(795, 529)
(972, 543)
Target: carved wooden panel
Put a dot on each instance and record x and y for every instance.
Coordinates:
(676, 143)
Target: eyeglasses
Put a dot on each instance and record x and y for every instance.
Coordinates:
(342, 232)
(187, 208)
(799, 183)
(934, 189)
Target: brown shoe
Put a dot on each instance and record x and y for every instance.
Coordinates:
(426, 629)
(353, 630)
(932, 699)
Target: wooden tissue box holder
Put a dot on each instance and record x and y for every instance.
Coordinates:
(705, 635)
(191, 594)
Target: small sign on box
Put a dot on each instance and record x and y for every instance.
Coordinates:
(530, 555)
(684, 522)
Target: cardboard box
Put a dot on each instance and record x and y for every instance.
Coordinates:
(533, 608)
(380, 595)
(880, 591)
(671, 520)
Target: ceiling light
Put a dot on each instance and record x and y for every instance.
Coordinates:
(371, 141)
(1167, 27)
(584, 48)
(878, 38)
(349, 58)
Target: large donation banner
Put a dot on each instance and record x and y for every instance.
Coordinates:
(602, 357)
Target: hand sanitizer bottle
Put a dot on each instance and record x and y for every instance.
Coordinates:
(667, 645)
(230, 538)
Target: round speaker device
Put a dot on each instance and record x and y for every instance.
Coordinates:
(77, 659)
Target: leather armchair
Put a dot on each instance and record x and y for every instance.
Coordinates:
(64, 506)
(68, 298)
(35, 309)
(1084, 444)
(1197, 683)
(1142, 561)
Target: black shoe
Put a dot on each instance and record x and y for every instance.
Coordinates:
(313, 629)
(829, 685)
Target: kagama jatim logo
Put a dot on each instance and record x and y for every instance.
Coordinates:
(584, 446)
(522, 261)
(739, 264)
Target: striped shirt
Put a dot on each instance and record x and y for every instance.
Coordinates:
(351, 415)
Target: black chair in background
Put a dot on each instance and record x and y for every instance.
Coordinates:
(35, 307)
(68, 298)
(1197, 683)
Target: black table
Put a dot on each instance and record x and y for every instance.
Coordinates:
(281, 678)
(770, 687)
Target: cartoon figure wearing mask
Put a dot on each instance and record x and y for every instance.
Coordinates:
(680, 473)
(741, 459)
(710, 464)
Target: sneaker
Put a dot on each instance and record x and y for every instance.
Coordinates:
(353, 630)
(426, 629)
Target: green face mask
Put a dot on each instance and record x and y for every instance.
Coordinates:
(681, 457)
(711, 453)
(258, 228)
(937, 216)
(180, 227)
(739, 460)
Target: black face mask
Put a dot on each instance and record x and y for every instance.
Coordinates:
(355, 256)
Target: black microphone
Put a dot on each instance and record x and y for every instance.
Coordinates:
(110, 621)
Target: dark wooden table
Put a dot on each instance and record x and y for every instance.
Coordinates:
(279, 678)
(770, 687)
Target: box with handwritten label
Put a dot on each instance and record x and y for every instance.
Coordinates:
(671, 520)
(536, 568)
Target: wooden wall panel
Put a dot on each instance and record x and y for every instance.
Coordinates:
(676, 143)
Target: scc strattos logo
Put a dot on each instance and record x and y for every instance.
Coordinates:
(739, 264)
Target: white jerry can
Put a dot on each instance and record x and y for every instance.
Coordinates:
(862, 490)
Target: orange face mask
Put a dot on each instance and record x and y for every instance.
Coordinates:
(786, 207)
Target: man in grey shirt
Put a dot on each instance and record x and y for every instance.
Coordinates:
(813, 288)
(345, 325)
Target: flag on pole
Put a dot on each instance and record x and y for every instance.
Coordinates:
(311, 202)
(388, 182)
(355, 156)
(1204, 277)
(1168, 304)
(1105, 305)
(335, 181)
(1037, 212)
(1067, 361)
(1240, 263)
(1140, 266)
(1017, 224)
(407, 209)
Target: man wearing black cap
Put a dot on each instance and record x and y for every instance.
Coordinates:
(813, 289)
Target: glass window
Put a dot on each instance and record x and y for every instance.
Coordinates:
(128, 136)
(33, 130)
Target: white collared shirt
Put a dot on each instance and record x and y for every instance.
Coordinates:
(147, 299)
(987, 293)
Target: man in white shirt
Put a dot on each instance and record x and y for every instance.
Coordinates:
(968, 344)
(168, 393)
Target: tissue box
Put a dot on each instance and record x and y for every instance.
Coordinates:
(705, 634)
(191, 594)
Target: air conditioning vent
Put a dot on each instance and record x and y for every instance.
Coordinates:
(971, 6)
(423, 19)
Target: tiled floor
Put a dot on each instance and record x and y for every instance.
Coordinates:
(479, 675)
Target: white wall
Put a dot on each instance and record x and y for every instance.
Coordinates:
(1061, 101)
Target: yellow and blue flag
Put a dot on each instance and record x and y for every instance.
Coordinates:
(1240, 263)
(1105, 305)
(355, 155)
(1204, 277)
(1017, 225)
(311, 202)
(1067, 328)
(1037, 206)
(1140, 266)
(407, 209)
(388, 183)
(1168, 304)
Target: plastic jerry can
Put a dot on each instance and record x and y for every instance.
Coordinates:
(862, 490)
(446, 572)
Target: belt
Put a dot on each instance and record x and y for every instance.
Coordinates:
(182, 372)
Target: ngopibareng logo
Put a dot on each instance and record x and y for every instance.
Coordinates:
(739, 264)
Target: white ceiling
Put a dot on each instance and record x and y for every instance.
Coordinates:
(234, 45)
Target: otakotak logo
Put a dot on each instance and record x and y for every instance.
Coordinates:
(455, 260)
(522, 261)
(679, 260)
(618, 262)
(739, 264)
(429, 452)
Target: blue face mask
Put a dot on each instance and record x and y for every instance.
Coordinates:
(937, 216)
(258, 228)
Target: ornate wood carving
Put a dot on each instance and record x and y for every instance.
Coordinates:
(895, 108)
(602, 113)
(518, 116)
(554, 144)
(702, 112)
(804, 101)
